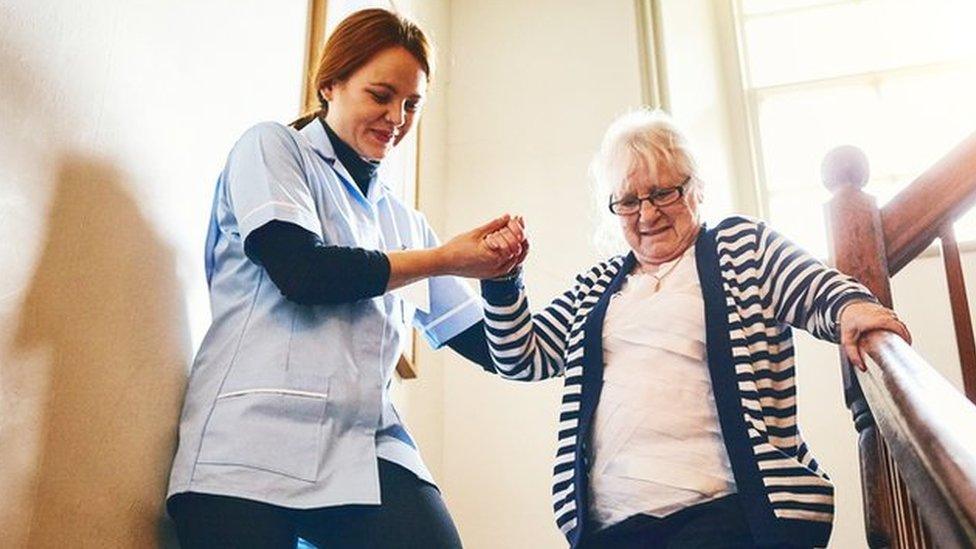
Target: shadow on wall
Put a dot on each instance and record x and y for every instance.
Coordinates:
(106, 304)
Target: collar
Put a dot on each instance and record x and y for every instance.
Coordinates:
(314, 133)
(360, 168)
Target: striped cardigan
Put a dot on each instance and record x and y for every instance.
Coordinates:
(755, 286)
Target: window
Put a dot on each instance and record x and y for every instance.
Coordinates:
(896, 78)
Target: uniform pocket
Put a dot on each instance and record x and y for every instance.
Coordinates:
(278, 430)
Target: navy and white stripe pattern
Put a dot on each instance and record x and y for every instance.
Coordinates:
(755, 284)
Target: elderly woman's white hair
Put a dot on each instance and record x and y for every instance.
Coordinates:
(645, 133)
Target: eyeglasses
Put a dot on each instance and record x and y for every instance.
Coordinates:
(663, 196)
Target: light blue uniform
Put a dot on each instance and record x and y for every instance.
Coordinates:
(286, 403)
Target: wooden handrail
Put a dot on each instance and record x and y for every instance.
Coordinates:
(918, 466)
(914, 217)
(930, 429)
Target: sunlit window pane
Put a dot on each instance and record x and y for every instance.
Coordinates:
(757, 7)
(856, 37)
(895, 78)
(965, 227)
(930, 113)
(797, 129)
(904, 124)
(798, 215)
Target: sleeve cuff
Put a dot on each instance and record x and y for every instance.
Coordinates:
(842, 303)
(502, 292)
(453, 323)
(280, 211)
(377, 273)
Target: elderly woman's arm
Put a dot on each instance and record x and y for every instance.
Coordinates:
(803, 292)
(807, 294)
(526, 347)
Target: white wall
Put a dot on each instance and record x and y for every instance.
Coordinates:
(117, 119)
(532, 87)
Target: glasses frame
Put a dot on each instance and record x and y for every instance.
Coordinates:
(655, 194)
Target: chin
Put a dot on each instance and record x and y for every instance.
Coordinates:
(660, 255)
(379, 152)
(373, 154)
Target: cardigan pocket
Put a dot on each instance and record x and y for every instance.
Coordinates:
(271, 429)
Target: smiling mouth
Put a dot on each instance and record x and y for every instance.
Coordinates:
(655, 232)
(384, 137)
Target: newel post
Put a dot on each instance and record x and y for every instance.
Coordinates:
(857, 248)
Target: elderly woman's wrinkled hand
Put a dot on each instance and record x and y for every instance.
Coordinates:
(859, 318)
(510, 241)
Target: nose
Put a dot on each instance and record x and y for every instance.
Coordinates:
(396, 114)
(648, 211)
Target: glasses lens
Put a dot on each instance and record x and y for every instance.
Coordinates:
(666, 196)
(625, 206)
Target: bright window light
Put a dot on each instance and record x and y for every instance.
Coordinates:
(896, 78)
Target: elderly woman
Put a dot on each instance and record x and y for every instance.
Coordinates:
(678, 417)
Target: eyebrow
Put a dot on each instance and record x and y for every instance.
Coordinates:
(632, 193)
(393, 89)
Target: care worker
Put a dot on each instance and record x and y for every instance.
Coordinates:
(288, 429)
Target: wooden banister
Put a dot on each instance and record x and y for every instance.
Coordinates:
(930, 429)
(961, 318)
(917, 433)
(915, 216)
(857, 248)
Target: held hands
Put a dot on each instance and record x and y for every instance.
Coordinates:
(510, 241)
(488, 251)
(859, 318)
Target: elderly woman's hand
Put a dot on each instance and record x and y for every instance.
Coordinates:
(508, 239)
(471, 254)
(861, 317)
(511, 240)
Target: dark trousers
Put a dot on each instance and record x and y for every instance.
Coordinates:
(412, 515)
(717, 524)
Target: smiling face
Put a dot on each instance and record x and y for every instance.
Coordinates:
(375, 107)
(658, 234)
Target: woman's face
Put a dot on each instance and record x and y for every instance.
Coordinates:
(658, 234)
(375, 107)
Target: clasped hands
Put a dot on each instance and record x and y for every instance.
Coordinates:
(489, 251)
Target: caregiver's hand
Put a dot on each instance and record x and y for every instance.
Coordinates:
(471, 254)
